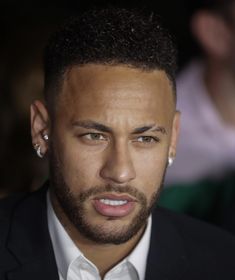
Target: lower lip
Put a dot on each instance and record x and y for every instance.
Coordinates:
(113, 211)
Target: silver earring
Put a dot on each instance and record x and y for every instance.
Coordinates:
(170, 161)
(38, 150)
(45, 137)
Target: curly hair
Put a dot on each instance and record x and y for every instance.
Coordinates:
(109, 36)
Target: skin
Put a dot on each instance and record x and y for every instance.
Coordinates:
(137, 110)
(216, 35)
(220, 78)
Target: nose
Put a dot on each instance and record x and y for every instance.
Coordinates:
(118, 165)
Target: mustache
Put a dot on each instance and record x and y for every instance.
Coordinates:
(113, 189)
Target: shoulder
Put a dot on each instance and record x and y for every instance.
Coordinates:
(20, 204)
(197, 231)
(8, 204)
(20, 213)
(8, 208)
(208, 249)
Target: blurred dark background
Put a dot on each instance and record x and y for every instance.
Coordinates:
(24, 28)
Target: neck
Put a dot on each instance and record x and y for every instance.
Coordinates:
(106, 256)
(103, 256)
(220, 82)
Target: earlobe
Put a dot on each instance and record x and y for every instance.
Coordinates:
(40, 125)
(174, 138)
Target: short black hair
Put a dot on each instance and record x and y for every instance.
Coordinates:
(109, 36)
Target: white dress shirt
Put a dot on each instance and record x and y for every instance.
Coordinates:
(73, 265)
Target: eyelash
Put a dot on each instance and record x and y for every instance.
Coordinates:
(89, 136)
(149, 139)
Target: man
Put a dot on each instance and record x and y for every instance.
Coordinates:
(206, 97)
(109, 127)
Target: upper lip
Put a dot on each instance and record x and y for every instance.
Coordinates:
(115, 197)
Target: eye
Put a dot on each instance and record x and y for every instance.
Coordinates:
(94, 137)
(147, 139)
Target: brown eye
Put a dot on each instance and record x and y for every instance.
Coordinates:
(147, 139)
(94, 137)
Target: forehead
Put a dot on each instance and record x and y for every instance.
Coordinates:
(91, 89)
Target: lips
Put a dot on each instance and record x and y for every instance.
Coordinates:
(111, 205)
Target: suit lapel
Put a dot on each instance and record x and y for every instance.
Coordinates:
(36, 269)
(167, 257)
(29, 240)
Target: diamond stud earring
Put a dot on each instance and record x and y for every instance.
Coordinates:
(45, 137)
(170, 161)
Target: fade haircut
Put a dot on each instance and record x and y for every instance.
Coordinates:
(110, 36)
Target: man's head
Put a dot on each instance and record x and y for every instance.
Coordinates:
(110, 37)
(213, 25)
(111, 120)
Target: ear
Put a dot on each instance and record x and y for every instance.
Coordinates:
(40, 125)
(212, 33)
(174, 135)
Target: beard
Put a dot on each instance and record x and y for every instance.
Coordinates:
(73, 205)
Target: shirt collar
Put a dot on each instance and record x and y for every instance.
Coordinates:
(66, 251)
(64, 248)
(138, 257)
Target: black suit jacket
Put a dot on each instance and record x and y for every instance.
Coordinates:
(181, 248)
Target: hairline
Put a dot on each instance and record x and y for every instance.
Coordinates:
(55, 87)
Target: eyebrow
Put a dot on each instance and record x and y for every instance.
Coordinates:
(92, 125)
(151, 128)
(101, 127)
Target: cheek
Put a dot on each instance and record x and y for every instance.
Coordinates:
(150, 170)
(78, 168)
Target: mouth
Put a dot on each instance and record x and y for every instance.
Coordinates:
(113, 202)
(114, 205)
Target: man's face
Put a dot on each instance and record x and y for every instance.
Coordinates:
(231, 27)
(110, 140)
